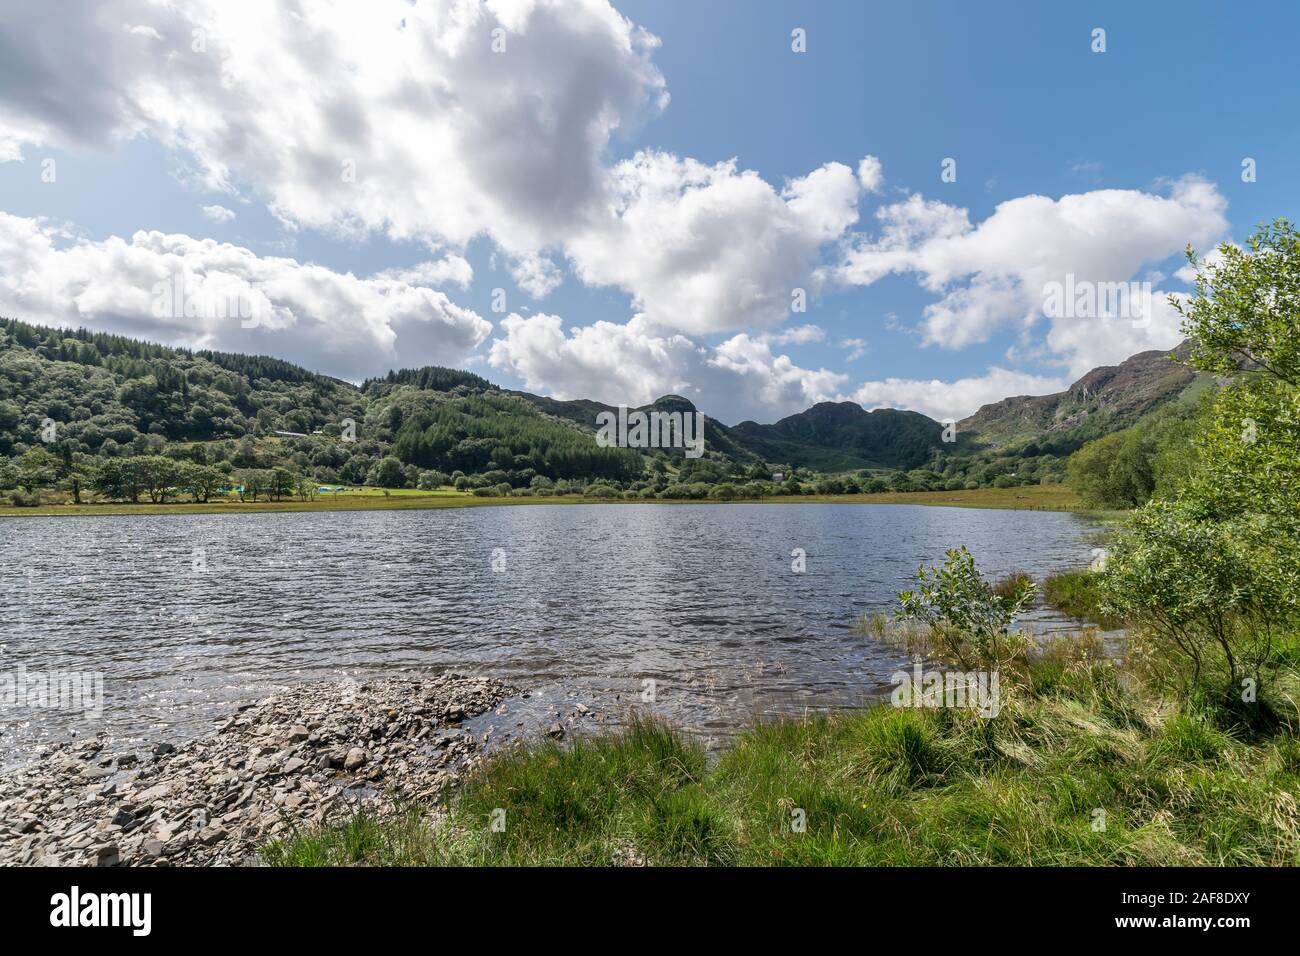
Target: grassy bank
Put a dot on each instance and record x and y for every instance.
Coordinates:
(1078, 594)
(1074, 770)
(1035, 497)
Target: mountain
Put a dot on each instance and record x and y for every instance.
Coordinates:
(1104, 400)
(718, 438)
(830, 436)
(841, 436)
(110, 395)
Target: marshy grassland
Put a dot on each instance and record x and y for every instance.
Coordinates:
(1031, 497)
(1079, 595)
(1081, 766)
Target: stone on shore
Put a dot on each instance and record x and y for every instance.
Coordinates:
(309, 755)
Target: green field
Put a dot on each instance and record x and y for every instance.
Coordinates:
(1033, 497)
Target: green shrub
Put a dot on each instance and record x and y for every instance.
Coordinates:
(965, 618)
(1207, 595)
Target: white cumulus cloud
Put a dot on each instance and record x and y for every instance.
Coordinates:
(217, 214)
(633, 364)
(207, 294)
(995, 274)
(384, 116)
(954, 399)
(705, 248)
(439, 122)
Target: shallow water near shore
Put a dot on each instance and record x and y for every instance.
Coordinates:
(187, 617)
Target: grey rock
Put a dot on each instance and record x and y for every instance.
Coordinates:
(107, 856)
(123, 817)
(219, 798)
(355, 758)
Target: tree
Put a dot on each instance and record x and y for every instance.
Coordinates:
(305, 488)
(1245, 306)
(156, 474)
(386, 473)
(1207, 593)
(898, 481)
(116, 478)
(1213, 574)
(251, 482)
(76, 474)
(202, 481)
(283, 483)
(37, 469)
(1247, 312)
(1126, 468)
(1114, 471)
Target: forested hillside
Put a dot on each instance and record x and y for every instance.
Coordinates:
(84, 411)
(106, 392)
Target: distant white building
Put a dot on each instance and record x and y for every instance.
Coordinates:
(778, 476)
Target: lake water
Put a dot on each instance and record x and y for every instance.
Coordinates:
(187, 616)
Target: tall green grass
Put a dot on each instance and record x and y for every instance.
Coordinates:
(1078, 594)
(1077, 769)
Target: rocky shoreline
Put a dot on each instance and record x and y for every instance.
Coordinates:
(300, 758)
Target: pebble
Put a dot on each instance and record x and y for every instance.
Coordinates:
(355, 758)
(309, 755)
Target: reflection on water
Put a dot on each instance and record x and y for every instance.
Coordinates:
(186, 615)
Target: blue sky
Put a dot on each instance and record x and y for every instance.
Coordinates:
(1012, 91)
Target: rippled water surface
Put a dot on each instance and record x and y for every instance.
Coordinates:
(187, 615)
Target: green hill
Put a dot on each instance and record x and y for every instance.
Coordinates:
(842, 436)
(108, 396)
(1104, 400)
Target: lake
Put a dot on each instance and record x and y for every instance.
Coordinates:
(187, 616)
